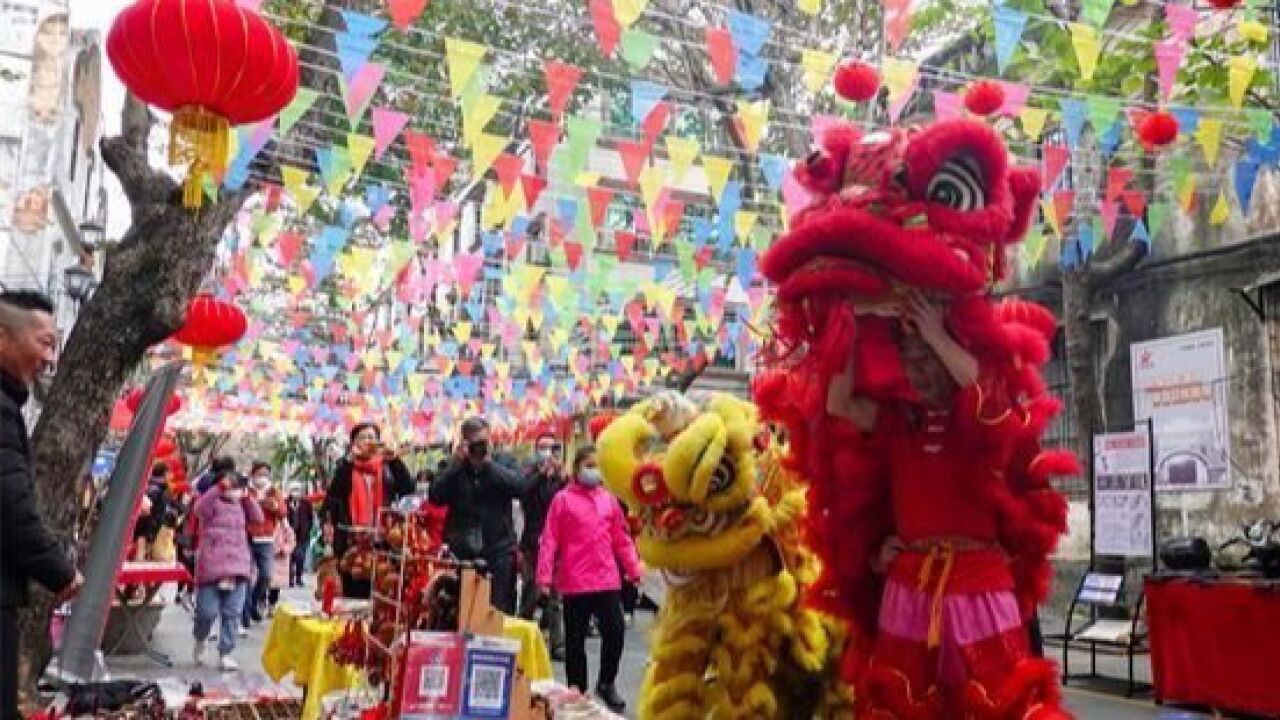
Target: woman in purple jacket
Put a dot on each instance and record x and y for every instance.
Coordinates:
(223, 564)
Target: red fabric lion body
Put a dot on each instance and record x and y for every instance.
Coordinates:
(963, 488)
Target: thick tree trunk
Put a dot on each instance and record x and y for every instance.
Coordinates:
(148, 280)
(1078, 335)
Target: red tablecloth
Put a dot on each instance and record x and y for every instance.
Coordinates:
(1216, 643)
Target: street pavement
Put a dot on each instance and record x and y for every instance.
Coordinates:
(173, 635)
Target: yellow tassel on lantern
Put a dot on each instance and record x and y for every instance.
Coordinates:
(200, 140)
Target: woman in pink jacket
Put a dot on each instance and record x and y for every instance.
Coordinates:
(583, 542)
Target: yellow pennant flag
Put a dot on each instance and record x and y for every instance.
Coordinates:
(680, 153)
(1209, 135)
(1253, 31)
(477, 110)
(812, 7)
(1032, 120)
(585, 179)
(901, 77)
(297, 284)
(816, 65)
(717, 169)
(610, 322)
(295, 181)
(486, 350)
(626, 12)
(462, 331)
(1187, 193)
(650, 184)
(1050, 213)
(527, 279)
(753, 116)
(1240, 72)
(1084, 38)
(1221, 210)
(359, 148)
(462, 58)
(484, 151)
(744, 221)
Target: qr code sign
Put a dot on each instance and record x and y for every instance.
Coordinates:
(433, 682)
(486, 688)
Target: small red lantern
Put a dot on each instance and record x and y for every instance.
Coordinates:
(598, 423)
(856, 81)
(134, 399)
(213, 64)
(984, 97)
(211, 323)
(1157, 129)
(1224, 4)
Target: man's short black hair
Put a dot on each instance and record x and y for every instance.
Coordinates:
(473, 425)
(160, 469)
(27, 300)
(224, 464)
(259, 465)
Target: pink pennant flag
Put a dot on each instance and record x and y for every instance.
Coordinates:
(820, 124)
(1117, 178)
(382, 218)
(947, 105)
(442, 166)
(544, 136)
(1182, 21)
(1054, 161)
(897, 22)
(288, 245)
(1015, 98)
(794, 195)
(608, 32)
(1168, 59)
(465, 268)
(387, 124)
(1109, 211)
(360, 90)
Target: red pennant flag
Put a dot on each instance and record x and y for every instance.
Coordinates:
(515, 246)
(724, 56)
(1110, 212)
(1117, 178)
(557, 233)
(599, 197)
(273, 196)
(624, 240)
(672, 212)
(443, 167)
(634, 156)
(421, 149)
(573, 253)
(339, 332)
(607, 29)
(404, 12)
(703, 256)
(507, 168)
(562, 78)
(1063, 200)
(533, 187)
(1135, 201)
(656, 121)
(544, 135)
(289, 244)
(1054, 161)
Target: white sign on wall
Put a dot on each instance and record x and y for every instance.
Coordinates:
(1122, 494)
(1180, 383)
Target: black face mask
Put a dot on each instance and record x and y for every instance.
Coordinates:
(478, 449)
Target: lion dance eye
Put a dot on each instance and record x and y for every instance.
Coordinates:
(958, 185)
(722, 478)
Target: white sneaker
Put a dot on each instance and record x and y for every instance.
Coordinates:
(226, 663)
(244, 631)
(197, 654)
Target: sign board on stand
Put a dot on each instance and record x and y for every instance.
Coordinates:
(1122, 497)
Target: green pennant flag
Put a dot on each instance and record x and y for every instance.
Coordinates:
(1157, 212)
(1102, 112)
(558, 259)
(583, 231)
(1033, 246)
(582, 135)
(302, 102)
(1095, 12)
(684, 257)
(637, 47)
(1179, 170)
(1261, 122)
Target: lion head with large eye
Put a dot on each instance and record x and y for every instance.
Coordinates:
(929, 210)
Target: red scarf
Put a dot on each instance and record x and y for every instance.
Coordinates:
(366, 491)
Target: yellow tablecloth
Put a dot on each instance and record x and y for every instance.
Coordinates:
(300, 645)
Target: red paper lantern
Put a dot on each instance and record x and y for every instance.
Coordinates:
(598, 423)
(1158, 129)
(856, 81)
(211, 323)
(134, 399)
(984, 97)
(213, 64)
(1224, 4)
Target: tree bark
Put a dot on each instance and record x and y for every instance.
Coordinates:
(148, 281)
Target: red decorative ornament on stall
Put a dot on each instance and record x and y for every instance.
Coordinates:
(213, 64)
(856, 81)
(984, 98)
(1224, 4)
(211, 323)
(134, 400)
(1157, 129)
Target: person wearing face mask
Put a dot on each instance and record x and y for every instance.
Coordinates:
(301, 516)
(223, 565)
(262, 540)
(584, 542)
(479, 494)
(545, 477)
(370, 477)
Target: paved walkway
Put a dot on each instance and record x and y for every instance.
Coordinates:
(173, 635)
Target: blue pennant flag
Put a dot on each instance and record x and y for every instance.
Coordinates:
(1140, 233)
(701, 231)
(1074, 114)
(745, 260)
(1188, 119)
(661, 269)
(774, 168)
(645, 96)
(492, 242)
(376, 196)
(1009, 24)
(1246, 175)
(750, 71)
(749, 32)
(353, 52)
(361, 24)
(1085, 231)
(1070, 255)
(1110, 139)
(566, 210)
(520, 225)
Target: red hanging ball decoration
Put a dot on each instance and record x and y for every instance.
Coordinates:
(856, 81)
(984, 97)
(1224, 4)
(134, 399)
(1158, 129)
(211, 323)
(598, 423)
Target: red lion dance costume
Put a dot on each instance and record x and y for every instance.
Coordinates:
(959, 486)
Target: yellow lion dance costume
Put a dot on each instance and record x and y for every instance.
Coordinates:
(720, 520)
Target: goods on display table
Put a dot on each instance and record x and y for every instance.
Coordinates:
(1212, 642)
(427, 643)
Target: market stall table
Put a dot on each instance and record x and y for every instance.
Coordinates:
(299, 643)
(150, 576)
(1213, 642)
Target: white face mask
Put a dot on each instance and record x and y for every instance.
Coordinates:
(590, 477)
(261, 483)
(544, 453)
(234, 494)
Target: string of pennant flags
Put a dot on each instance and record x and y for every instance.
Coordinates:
(589, 283)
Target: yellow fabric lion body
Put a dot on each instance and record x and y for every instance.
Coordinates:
(720, 520)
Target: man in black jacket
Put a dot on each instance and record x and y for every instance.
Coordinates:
(544, 476)
(479, 493)
(28, 551)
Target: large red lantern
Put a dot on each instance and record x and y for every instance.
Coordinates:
(213, 64)
(211, 323)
